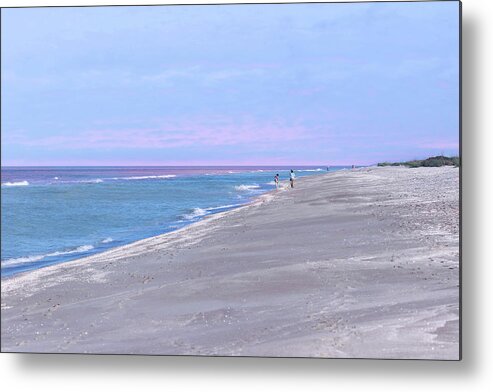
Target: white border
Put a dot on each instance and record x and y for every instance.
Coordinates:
(93, 373)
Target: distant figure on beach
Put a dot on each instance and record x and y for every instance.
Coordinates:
(291, 178)
(327, 168)
(276, 180)
(352, 167)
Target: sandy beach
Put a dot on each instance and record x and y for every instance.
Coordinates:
(358, 263)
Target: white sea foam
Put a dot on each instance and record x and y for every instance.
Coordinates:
(83, 248)
(196, 212)
(94, 181)
(107, 240)
(22, 260)
(17, 183)
(310, 170)
(271, 183)
(222, 207)
(246, 187)
(100, 180)
(55, 178)
(145, 177)
(32, 259)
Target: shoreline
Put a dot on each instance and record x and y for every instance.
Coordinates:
(118, 248)
(22, 264)
(357, 263)
(110, 248)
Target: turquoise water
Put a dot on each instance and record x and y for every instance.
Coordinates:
(55, 214)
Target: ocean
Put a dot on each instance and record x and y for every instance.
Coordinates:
(51, 215)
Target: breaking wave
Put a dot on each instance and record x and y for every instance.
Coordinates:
(246, 187)
(32, 259)
(17, 183)
(310, 170)
(145, 177)
(199, 212)
(196, 212)
(95, 181)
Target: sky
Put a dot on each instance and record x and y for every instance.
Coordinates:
(304, 84)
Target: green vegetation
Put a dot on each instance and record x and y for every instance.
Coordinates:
(437, 161)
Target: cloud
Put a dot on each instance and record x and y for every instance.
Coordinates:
(217, 131)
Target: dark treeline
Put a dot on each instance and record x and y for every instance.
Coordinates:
(437, 161)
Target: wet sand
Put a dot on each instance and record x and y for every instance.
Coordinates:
(358, 263)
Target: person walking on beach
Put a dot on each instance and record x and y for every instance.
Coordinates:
(291, 178)
(276, 180)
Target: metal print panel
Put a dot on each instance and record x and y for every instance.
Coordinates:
(275, 180)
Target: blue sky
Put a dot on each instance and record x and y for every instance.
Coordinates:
(247, 84)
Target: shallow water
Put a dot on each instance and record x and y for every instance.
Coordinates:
(55, 214)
